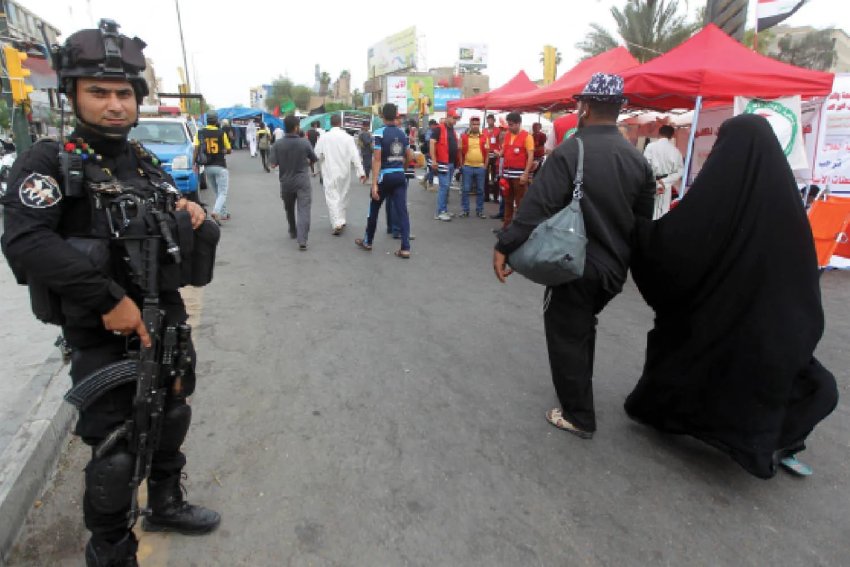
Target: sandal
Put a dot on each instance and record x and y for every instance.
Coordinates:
(792, 465)
(363, 244)
(556, 418)
(403, 254)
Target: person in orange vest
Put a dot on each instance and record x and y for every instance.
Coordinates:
(445, 153)
(492, 133)
(474, 147)
(518, 153)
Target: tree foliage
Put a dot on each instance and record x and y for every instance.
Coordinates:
(5, 120)
(284, 93)
(324, 81)
(814, 50)
(765, 38)
(301, 96)
(647, 27)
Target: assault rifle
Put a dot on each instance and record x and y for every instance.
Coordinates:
(156, 368)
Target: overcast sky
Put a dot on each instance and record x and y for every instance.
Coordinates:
(233, 46)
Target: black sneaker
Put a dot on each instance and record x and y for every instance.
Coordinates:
(302, 247)
(464, 214)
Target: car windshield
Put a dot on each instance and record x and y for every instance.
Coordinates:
(159, 133)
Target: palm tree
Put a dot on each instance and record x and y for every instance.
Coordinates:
(557, 60)
(647, 27)
(324, 81)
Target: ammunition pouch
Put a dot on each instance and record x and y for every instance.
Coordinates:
(198, 269)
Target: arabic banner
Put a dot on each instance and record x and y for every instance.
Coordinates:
(832, 164)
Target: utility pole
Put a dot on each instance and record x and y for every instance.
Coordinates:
(183, 45)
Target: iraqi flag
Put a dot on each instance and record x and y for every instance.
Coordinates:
(771, 12)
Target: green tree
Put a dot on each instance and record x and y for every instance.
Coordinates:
(5, 122)
(558, 59)
(324, 82)
(334, 106)
(301, 96)
(356, 98)
(280, 94)
(647, 27)
(765, 39)
(814, 50)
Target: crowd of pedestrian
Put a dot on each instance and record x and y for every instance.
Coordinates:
(626, 205)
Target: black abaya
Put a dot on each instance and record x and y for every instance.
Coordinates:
(732, 276)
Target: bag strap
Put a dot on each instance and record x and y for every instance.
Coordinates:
(579, 180)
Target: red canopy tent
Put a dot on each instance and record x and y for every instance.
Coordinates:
(558, 95)
(715, 67)
(711, 67)
(519, 84)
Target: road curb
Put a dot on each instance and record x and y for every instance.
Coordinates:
(30, 459)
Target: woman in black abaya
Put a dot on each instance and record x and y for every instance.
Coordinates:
(732, 276)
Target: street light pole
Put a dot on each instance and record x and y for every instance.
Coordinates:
(183, 45)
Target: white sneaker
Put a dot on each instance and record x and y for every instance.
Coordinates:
(445, 217)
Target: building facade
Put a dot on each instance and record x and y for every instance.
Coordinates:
(840, 41)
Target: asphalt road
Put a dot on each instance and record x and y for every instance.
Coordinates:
(355, 409)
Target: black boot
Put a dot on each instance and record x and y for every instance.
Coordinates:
(120, 554)
(170, 513)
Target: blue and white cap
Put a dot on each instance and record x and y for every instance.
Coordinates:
(603, 87)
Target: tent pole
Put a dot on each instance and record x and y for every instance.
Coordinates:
(694, 122)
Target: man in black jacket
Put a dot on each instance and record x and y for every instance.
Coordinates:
(52, 225)
(618, 187)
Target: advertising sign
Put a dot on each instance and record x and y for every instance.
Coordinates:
(393, 53)
(412, 95)
(711, 119)
(832, 160)
(783, 114)
(442, 96)
(472, 56)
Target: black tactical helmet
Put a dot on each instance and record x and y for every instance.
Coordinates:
(101, 53)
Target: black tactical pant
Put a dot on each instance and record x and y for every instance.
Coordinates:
(570, 323)
(106, 503)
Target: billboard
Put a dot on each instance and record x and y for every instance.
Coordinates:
(412, 95)
(442, 96)
(393, 53)
(472, 56)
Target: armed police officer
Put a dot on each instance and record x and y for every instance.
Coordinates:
(79, 222)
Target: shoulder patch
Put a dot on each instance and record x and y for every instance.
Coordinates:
(39, 191)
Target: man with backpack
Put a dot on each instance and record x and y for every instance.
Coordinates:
(211, 144)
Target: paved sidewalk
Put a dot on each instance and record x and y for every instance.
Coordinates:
(34, 420)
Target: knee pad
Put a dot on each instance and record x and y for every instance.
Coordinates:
(175, 425)
(108, 482)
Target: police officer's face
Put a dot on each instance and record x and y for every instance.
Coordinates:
(108, 103)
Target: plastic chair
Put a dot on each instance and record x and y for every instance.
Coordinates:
(830, 220)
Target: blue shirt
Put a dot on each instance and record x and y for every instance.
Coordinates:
(392, 143)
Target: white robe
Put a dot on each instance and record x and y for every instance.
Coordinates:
(337, 152)
(666, 161)
(251, 135)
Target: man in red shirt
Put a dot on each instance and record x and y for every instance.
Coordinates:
(491, 181)
(539, 142)
(518, 153)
